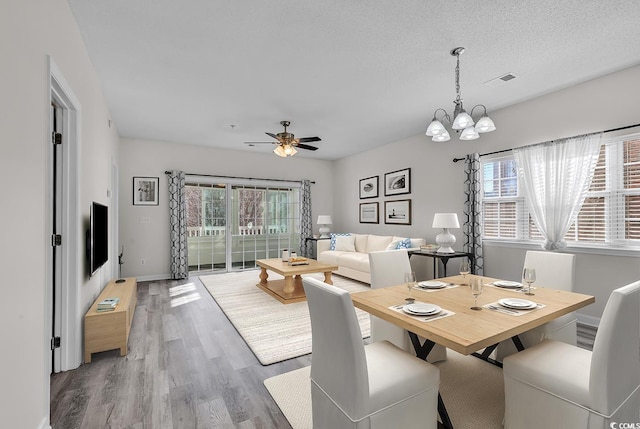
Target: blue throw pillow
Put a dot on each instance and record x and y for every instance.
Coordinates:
(332, 245)
(404, 244)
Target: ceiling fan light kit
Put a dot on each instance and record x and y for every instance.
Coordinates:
(287, 142)
(462, 120)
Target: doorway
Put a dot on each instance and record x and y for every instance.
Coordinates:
(64, 263)
(232, 222)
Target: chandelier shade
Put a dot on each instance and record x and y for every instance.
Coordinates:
(462, 122)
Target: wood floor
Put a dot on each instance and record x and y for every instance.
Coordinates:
(187, 367)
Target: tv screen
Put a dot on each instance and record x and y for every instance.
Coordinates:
(98, 236)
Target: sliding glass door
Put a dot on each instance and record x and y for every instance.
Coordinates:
(231, 225)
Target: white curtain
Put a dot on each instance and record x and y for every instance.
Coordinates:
(555, 178)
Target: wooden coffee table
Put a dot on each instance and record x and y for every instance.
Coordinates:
(289, 289)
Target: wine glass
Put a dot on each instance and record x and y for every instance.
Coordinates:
(529, 276)
(410, 280)
(476, 290)
(464, 270)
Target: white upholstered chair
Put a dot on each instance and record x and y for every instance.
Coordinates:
(556, 385)
(387, 269)
(377, 386)
(555, 271)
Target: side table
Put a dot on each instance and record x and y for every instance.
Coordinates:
(444, 257)
(315, 241)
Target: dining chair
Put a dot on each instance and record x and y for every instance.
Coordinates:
(555, 271)
(554, 384)
(387, 268)
(376, 386)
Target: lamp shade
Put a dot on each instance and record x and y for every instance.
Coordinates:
(445, 220)
(469, 133)
(324, 220)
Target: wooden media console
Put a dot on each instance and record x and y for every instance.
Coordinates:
(110, 329)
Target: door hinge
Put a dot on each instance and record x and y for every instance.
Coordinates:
(56, 138)
(56, 240)
(55, 343)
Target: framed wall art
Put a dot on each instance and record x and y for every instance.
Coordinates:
(397, 182)
(397, 212)
(145, 191)
(369, 187)
(369, 213)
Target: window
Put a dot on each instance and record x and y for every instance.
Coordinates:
(610, 215)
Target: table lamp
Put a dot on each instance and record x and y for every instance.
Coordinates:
(445, 239)
(323, 221)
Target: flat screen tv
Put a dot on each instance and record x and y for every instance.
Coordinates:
(98, 237)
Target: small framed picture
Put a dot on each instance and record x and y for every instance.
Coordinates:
(397, 182)
(369, 213)
(145, 191)
(397, 212)
(369, 187)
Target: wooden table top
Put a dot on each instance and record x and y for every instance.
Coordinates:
(284, 269)
(469, 330)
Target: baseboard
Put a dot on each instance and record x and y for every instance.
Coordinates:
(591, 321)
(44, 424)
(153, 277)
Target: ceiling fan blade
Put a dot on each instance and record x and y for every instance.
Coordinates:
(260, 142)
(273, 135)
(309, 139)
(306, 146)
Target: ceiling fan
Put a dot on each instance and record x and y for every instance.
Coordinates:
(287, 142)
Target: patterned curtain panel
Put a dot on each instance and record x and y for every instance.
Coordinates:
(178, 226)
(306, 222)
(472, 226)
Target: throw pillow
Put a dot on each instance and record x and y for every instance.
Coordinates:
(404, 244)
(346, 243)
(393, 245)
(332, 243)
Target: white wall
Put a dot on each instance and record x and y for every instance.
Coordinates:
(437, 182)
(150, 241)
(29, 32)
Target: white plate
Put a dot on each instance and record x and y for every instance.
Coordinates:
(432, 285)
(517, 303)
(507, 284)
(421, 309)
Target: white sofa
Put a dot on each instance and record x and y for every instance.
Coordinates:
(351, 252)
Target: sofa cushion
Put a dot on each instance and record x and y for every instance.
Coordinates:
(376, 243)
(354, 260)
(331, 256)
(345, 243)
(361, 242)
(332, 246)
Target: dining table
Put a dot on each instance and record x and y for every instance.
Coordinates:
(457, 326)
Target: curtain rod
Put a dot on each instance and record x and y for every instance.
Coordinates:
(508, 150)
(237, 177)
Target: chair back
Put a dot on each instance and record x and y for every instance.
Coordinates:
(553, 270)
(615, 363)
(387, 267)
(338, 361)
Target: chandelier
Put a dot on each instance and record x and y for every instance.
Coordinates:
(462, 120)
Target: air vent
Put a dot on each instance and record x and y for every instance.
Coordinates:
(501, 79)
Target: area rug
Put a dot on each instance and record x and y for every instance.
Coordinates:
(472, 390)
(272, 330)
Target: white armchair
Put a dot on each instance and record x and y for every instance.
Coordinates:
(555, 271)
(553, 384)
(377, 386)
(387, 269)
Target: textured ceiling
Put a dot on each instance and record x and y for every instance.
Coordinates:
(358, 74)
